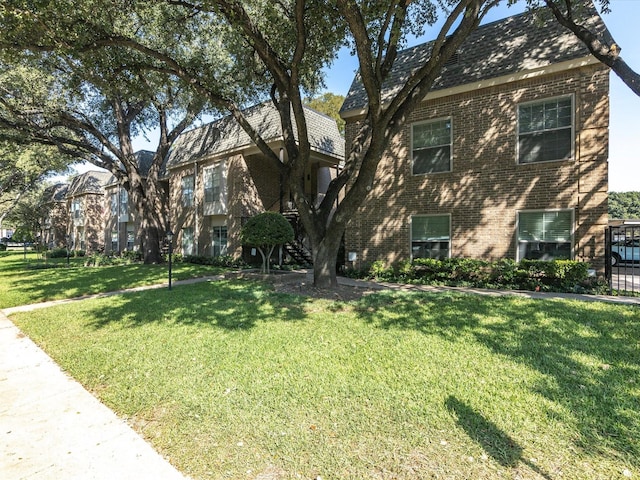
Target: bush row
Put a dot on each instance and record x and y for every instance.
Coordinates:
(555, 275)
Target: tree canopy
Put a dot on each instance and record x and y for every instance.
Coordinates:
(135, 59)
(624, 205)
(265, 231)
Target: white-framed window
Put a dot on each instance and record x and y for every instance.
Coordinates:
(188, 186)
(218, 241)
(213, 183)
(545, 235)
(431, 146)
(76, 209)
(124, 201)
(187, 241)
(131, 237)
(114, 204)
(545, 130)
(431, 236)
(114, 240)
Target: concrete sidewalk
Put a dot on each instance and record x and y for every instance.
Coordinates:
(52, 429)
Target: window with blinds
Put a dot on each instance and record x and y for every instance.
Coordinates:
(430, 236)
(431, 146)
(545, 130)
(545, 235)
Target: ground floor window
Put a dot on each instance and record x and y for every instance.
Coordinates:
(131, 238)
(430, 236)
(545, 235)
(114, 240)
(218, 241)
(187, 241)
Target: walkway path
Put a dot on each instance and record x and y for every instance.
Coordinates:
(52, 429)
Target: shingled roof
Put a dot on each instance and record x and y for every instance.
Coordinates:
(55, 193)
(88, 182)
(515, 44)
(226, 136)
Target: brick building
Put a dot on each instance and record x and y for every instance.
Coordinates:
(506, 157)
(85, 204)
(56, 220)
(218, 178)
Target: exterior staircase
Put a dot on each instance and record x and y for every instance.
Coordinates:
(296, 249)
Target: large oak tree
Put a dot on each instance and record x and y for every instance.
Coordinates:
(285, 44)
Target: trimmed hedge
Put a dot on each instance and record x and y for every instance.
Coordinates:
(555, 275)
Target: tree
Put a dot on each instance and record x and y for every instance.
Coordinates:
(23, 168)
(286, 44)
(91, 103)
(624, 205)
(266, 231)
(329, 104)
(569, 14)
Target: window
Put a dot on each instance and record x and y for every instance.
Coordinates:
(131, 237)
(545, 130)
(124, 201)
(431, 146)
(114, 240)
(188, 184)
(219, 241)
(430, 236)
(213, 183)
(114, 204)
(76, 209)
(187, 241)
(545, 235)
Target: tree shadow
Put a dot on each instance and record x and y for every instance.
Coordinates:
(496, 443)
(230, 305)
(588, 357)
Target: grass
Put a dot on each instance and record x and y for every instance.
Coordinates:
(25, 281)
(231, 380)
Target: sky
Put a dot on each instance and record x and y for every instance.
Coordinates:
(624, 127)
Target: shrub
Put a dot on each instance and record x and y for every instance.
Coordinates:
(558, 275)
(131, 255)
(265, 231)
(3, 247)
(57, 253)
(98, 260)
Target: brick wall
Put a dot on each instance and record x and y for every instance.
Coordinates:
(252, 188)
(486, 186)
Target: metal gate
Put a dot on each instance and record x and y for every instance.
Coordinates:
(622, 259)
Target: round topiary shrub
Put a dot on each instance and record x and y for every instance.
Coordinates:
(265, 231)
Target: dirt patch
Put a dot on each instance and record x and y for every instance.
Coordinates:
(301, 284)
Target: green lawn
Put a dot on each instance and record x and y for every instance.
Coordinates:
(22, 281)
(231, 380)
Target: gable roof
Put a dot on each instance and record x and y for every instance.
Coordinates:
(55, 193)
(227, 136)
(515, 44)
(88, 182)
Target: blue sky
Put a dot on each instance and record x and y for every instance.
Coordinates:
(624, 128)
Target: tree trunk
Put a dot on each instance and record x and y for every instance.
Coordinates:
(325, 255)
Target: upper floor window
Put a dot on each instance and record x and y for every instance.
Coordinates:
(124, 201)
(545, 235)
(76, 209)
(431, 146)
(114, 204)
(545, 130)
(213, 183)
(430, 236)
(188, 185)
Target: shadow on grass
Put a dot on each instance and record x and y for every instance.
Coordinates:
(589, 355)
(231, 305)
(496, 443)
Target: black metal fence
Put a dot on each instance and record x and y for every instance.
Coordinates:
(622, 259)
